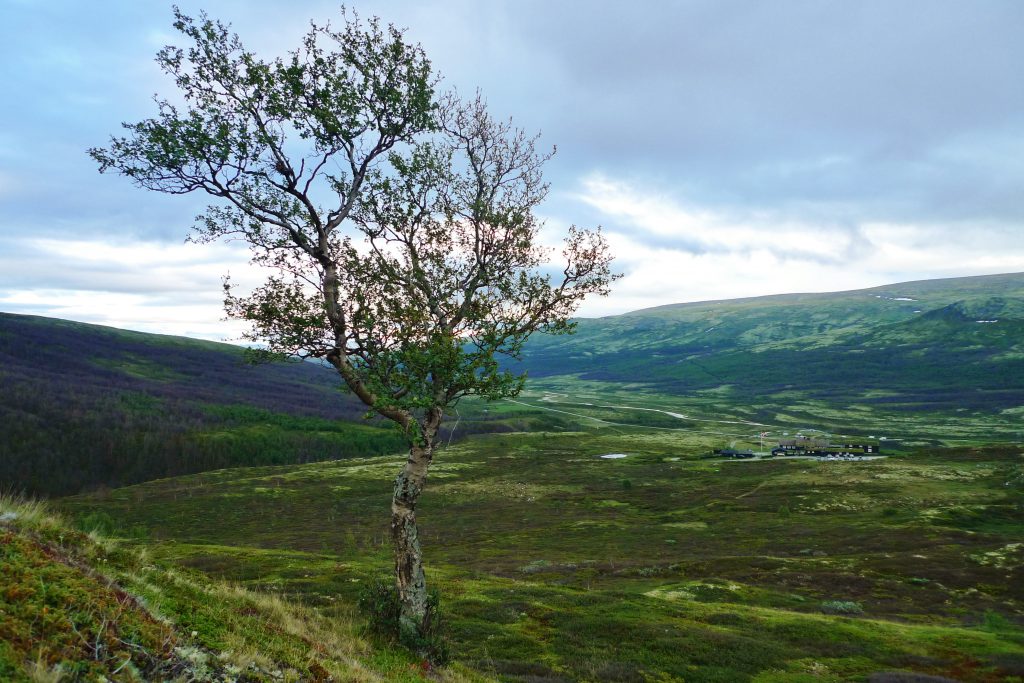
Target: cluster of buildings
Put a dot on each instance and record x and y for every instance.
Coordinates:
(808, 446)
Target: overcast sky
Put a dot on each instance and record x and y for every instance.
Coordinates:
(727, 148)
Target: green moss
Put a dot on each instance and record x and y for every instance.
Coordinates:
(58, 615)
(87, 608)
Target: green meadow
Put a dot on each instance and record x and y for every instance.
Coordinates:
(555, 564)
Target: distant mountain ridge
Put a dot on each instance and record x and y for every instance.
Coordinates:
(1003, 283)
(940, 344)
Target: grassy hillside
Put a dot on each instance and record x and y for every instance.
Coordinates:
(937, 345)
(83, 406)
(82, 607)
(558, 565)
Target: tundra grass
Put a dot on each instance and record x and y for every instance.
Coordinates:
(557, 564)
(79, 606)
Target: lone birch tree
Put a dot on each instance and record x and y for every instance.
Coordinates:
(399, 226)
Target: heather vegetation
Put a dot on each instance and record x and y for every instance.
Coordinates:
(81, 606)
(660, 565)
(84, 406)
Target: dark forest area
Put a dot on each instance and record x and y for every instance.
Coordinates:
(84, 407)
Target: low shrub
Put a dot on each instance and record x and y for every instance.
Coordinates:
(841, 607)
(379, 603)
(535, 566)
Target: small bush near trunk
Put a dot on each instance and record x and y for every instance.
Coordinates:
(379, 602)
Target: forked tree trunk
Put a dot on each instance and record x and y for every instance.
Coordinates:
(411, 581)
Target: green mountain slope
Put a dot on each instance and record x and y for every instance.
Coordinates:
(83, 406)
(930, 345)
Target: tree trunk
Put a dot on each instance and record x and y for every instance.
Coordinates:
(409, 576)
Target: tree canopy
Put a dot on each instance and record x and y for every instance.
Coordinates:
(398, 223)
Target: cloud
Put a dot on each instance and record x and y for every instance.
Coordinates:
(146, 286)
(781, 104)
(670, 252)
(660, 221)
(125, 311)
(729, 148)
(136, 267)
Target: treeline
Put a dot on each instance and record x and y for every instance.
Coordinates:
(65, 442)
(84, 407)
